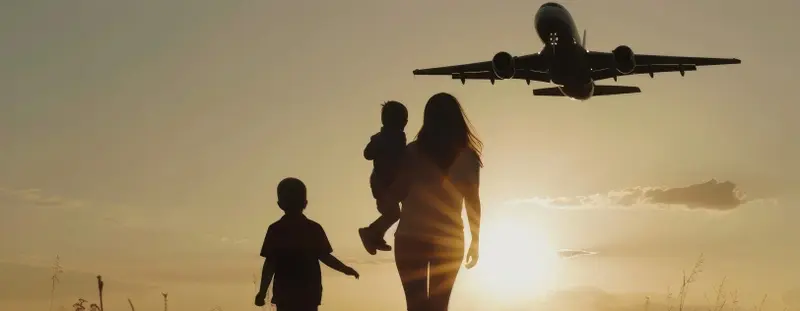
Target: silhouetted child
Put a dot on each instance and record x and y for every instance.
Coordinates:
(292, 249)
(385, 150)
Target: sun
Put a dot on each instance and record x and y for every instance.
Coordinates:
(516, 261)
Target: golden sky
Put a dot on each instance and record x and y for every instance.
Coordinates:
(143, 140)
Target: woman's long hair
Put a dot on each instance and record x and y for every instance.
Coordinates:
(446, 131)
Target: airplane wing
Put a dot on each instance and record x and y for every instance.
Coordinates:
(602, 60)
(608, 73)
(455, 69)
(526, 75)
(528, 67)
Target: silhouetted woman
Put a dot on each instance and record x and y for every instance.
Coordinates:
(440, 176)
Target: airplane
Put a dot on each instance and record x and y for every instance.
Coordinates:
(569, 64)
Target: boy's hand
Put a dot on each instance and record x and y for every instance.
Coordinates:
(351, 272)
(260, 297)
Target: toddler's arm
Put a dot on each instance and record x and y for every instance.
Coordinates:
(371, 151)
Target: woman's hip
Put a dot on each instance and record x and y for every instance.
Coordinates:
(428, 247)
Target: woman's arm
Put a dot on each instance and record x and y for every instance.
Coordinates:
(469, 183)
(472, 201)
(470, 188)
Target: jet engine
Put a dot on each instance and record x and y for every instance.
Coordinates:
(503, 65)
(624, 61)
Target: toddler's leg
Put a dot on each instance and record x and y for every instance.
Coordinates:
(390, 213)
(372, 236)
(367, 234)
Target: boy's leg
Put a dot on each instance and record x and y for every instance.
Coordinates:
(296, 308)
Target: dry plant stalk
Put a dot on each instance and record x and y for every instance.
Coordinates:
(79, 305)
(760, 307)
(689, 279)
(735, 300)
(56, 272)
(165, 300)
(100, 285)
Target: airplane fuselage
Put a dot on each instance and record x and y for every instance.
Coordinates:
(569, 66)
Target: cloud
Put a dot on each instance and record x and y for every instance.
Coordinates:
(38, 198)
(710, 195)
(570, 253)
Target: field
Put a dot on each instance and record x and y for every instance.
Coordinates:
(722, 300)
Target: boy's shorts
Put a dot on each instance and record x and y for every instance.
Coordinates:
(296, 308)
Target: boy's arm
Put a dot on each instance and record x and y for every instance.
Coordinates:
(267, 272)
(371, 152)
(268, 252)
(336, 264)
(326, 255)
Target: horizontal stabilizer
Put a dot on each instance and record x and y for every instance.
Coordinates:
(548, 91)
(600, 90)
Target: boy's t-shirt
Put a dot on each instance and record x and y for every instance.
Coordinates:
(295, 244)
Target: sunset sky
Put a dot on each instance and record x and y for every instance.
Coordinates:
(143, 140)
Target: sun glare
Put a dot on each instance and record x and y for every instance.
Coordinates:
(516, 262)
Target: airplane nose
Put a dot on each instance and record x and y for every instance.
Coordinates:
(542, 18)
(552, 5)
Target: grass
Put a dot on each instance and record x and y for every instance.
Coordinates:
(81, 304)
(723, 301)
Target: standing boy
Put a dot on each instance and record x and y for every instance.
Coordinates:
(292, 250)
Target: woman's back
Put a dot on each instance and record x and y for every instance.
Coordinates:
(433, 205)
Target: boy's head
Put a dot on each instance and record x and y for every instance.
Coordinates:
(292, 195)
(394, 115)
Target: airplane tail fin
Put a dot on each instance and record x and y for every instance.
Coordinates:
(584, 39)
